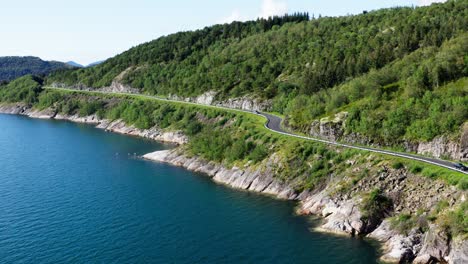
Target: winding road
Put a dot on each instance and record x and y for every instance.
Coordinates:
(274, 124)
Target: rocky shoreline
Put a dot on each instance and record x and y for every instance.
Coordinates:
(117, 126)
(341, 214)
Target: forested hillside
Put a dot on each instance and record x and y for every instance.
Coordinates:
(387, 68)
(412, 98)
(14, 67)
(173, 53)
(271, 57)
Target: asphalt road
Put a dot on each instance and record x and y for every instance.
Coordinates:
(274, 124)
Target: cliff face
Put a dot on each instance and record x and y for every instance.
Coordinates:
(243, 103)
(339, 205)
(246, 103)
(115, 87)
(440, 147)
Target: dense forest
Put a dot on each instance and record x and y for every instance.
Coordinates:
(14, 67)
(272, 57)
(399, 72)
(179, 50)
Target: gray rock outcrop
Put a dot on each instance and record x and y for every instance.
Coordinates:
(458, 251)
(255, 180)
(242, 103)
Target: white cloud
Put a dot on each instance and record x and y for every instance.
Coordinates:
(429, 2)
(273, 8)
(269, 8)
(234, 16)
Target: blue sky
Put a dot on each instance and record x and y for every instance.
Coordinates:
(89, 30)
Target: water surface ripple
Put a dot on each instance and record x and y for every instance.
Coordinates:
(74, 194)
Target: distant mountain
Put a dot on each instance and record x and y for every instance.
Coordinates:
(95, 63)
(14, 67)
(77, 65)
(74, 64)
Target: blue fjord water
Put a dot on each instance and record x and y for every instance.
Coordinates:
(71, 193)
